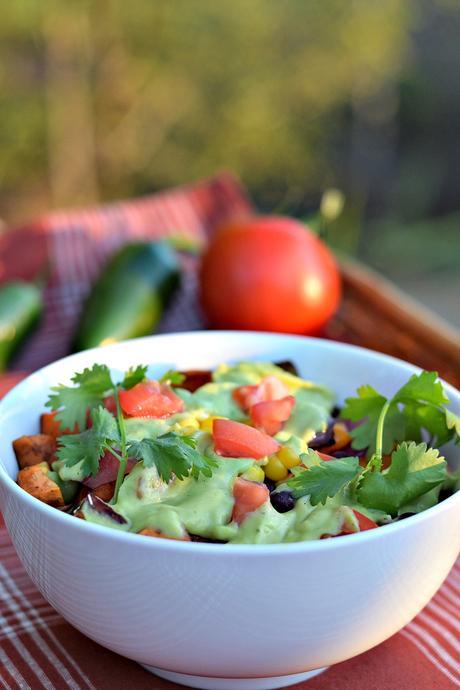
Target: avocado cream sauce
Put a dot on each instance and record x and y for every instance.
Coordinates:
(204, 506)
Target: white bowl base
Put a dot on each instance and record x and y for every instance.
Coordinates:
(213, 683)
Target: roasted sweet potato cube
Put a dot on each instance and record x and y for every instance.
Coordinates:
(105, 491)
(50, 425)
(35, 481)
(31, 450)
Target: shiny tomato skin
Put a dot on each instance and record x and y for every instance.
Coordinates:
(364, 523)
(270, 415)
(270, 388)
(269, 273)
(150, 399)
(237, 440)
(248, 497)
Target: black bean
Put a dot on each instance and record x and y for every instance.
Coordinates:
(349, 452)
(270, 484)
(342, 454)
(206, 540)
(288, 366)
(282, 501)
(405, 515)
(323, 438)
(445, 493)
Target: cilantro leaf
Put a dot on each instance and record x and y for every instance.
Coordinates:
(89, 446)
(104, 425)
(133, 376)
(175, 378)
(420, 416)
(453, 423)
(422, 400)
(172, 454)
(325, 479)
(366, 408)
(73, 402)
(424, 387)
(414, 471)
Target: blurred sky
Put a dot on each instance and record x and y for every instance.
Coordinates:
(107, 98)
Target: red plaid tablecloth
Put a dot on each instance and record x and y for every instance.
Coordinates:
(38, 649)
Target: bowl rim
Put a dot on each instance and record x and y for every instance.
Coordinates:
(255, 550)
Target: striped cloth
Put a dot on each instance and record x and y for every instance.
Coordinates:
(38, 649)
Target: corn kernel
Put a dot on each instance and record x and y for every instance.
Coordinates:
(288, 457)
(254, 474)
(206, 424)
(275, 470)
(187, 430)
(188, 422)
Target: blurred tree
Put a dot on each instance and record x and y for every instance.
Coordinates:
(109, 98)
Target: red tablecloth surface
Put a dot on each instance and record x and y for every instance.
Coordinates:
(38, 649)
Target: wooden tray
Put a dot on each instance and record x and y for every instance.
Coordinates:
(377, 315)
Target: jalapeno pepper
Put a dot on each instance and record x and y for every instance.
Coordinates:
(21, 307)
(129, 297)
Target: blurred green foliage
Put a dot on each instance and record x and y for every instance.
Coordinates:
(111, 98)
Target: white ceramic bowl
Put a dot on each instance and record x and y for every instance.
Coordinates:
(227, 616)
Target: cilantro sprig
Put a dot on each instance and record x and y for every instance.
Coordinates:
(171, 456)
(414, 471)
(73, 402)
(92, 386)
(416, 408)
(83, 402)
(324, 479)
(88, 447)
(412, 482)
(394, 426)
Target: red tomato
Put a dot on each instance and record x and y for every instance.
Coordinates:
(269, 273)
(270, 415)
(270, 388)
(236, 440)
(364, 523)
(248, 497)
(150, 399)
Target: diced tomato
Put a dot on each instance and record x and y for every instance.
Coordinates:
(108, 470)
(236, 440)
(150, 399)
(248, 497)
(270, 388)
(243, 396)
(364, 523)
(270, 415)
